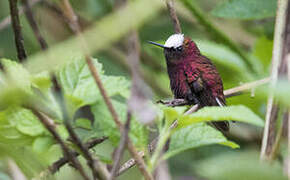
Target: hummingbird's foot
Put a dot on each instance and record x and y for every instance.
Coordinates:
(174, 102)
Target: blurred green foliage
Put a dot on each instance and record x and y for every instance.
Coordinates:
(246, 9)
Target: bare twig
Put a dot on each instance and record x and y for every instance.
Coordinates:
(62, 161)
(7, 20)
(14, 170)
(137, 102)
(98, 170)
(50, 126)
(121, 148)
(173, 16)
(140, 92)
(68, 11)
(33, 24)
(245, 87)
(17, 30)
(130, 163)
(288, 119)
(278, 139)
(162, 171)
(272, 108)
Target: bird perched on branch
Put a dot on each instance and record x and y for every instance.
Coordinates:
(193, 77)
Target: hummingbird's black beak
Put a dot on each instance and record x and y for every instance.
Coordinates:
(157, 44)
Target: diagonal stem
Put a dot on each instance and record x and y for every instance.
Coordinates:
(31, 20)
(50, 126)
(17, 30)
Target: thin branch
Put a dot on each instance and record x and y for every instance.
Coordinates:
(128, 164)
(162, 171)
(245, 87)
(50, 126)
(33, 24)
(17, 30)
(278, 139)
(288, 119)
(62, 161)
(121, 148)
(173, 16)
(272, 108)
(215, 32)
(68, 11)
(7, 20)
(99, 172)
(15, 171)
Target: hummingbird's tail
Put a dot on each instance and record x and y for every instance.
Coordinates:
(221, 125)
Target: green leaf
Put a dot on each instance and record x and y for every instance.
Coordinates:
(42, 144)
(195, 135)
(238, 166)
(103, 120)
(62, 131)
(263, 51)
(172, 114)
(17, 74)
(22, 120)
(27, 122)
(246, 9)
(41, 80)
(234, 113)
(83, 123)
(80, 88)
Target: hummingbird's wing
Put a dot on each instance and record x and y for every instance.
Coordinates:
(204, 95)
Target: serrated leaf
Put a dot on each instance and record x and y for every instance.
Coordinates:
(20, 121)
(27, 122)
(80, 87)
(103, 120)
(8, 131)
(246, 9)
(215, 113)
(193, 136)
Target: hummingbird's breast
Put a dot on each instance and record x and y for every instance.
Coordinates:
(178, 82)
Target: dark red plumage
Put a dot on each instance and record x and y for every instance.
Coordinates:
(194, 77)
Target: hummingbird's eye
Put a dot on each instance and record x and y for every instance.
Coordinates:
(179, 48)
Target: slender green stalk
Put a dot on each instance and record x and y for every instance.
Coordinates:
(216, 33)
(164, 136)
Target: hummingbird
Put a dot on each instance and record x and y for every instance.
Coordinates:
(194, 79)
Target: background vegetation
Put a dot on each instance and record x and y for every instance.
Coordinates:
(52, 107)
